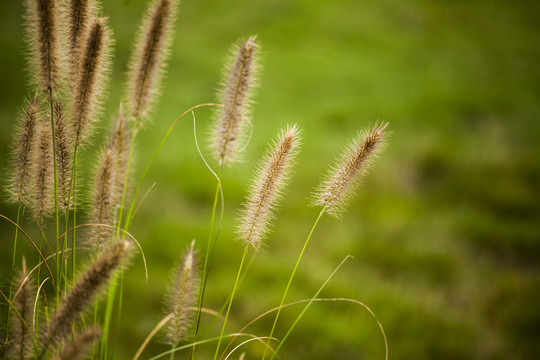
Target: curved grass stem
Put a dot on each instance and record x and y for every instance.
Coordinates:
(290, 280)
(230, 301)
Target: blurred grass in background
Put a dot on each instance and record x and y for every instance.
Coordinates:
(446, 229)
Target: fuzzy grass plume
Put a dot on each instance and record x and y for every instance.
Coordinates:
(81, 15)
(91, 77)
(76, 349)
(182, 297)
(42, 202)
(63, 155)
(22, 153)
(272, 175)
(335, 191)
(148, 60)
(103, 206)
(21, 346)
(42, 35)
(239, 82)
(119, 146)
(84, 291)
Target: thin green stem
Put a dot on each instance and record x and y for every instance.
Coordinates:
(204, 275)
(307, 307)
(73, 244)
(230, 302)
(290, 280)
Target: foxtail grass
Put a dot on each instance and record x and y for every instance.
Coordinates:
(268, 186)
(84, 291)
(335, 191)
(236, 95)
(148, 61)
(182, 297)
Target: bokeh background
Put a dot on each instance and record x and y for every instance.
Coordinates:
(445, 231)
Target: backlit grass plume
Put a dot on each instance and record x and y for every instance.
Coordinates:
(81, 15)
(103, 205)
(272, 175)
(63, 155)
(335, 191)
(182, 297)
(42, 201)
(22, 152)
(76, 349)
(91, 77)
(84, 291)
(21, 334)
(239, 82)
(120, 149)
(148, 60)
(42, 35)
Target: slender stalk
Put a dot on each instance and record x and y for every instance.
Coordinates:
(230, 302)
(307, 307)
(204, 276)
(290, 280)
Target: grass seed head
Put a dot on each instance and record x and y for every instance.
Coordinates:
(335, 191)
(236, 96)
(148, 60)
(267, 188)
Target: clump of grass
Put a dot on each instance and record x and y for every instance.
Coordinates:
(70, 60)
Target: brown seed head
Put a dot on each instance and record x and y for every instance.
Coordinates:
(42, 35)
(22, 152)
(42, 173)
(21, 347)
(77, 348)
(182, 297)
(64, 147)
(349, 169)
(84, 291)
(148, 59)
(103, 206)
(236, 95)
(89, 87)
(272, 176)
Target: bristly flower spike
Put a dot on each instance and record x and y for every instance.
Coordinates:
(272, 176)
(81, 15)
(336, 190)
(22, 152)
(63, 155)
(76, 349)
(42, 28)
(182, 297)
(147, 62)
(22, 335)
(102, 211)
(120, 148)
(84, 291)
(91, 77)
(42, 173)
(239, 82)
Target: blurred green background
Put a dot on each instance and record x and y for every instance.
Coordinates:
(446, 229)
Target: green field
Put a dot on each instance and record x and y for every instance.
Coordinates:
(445, 231)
